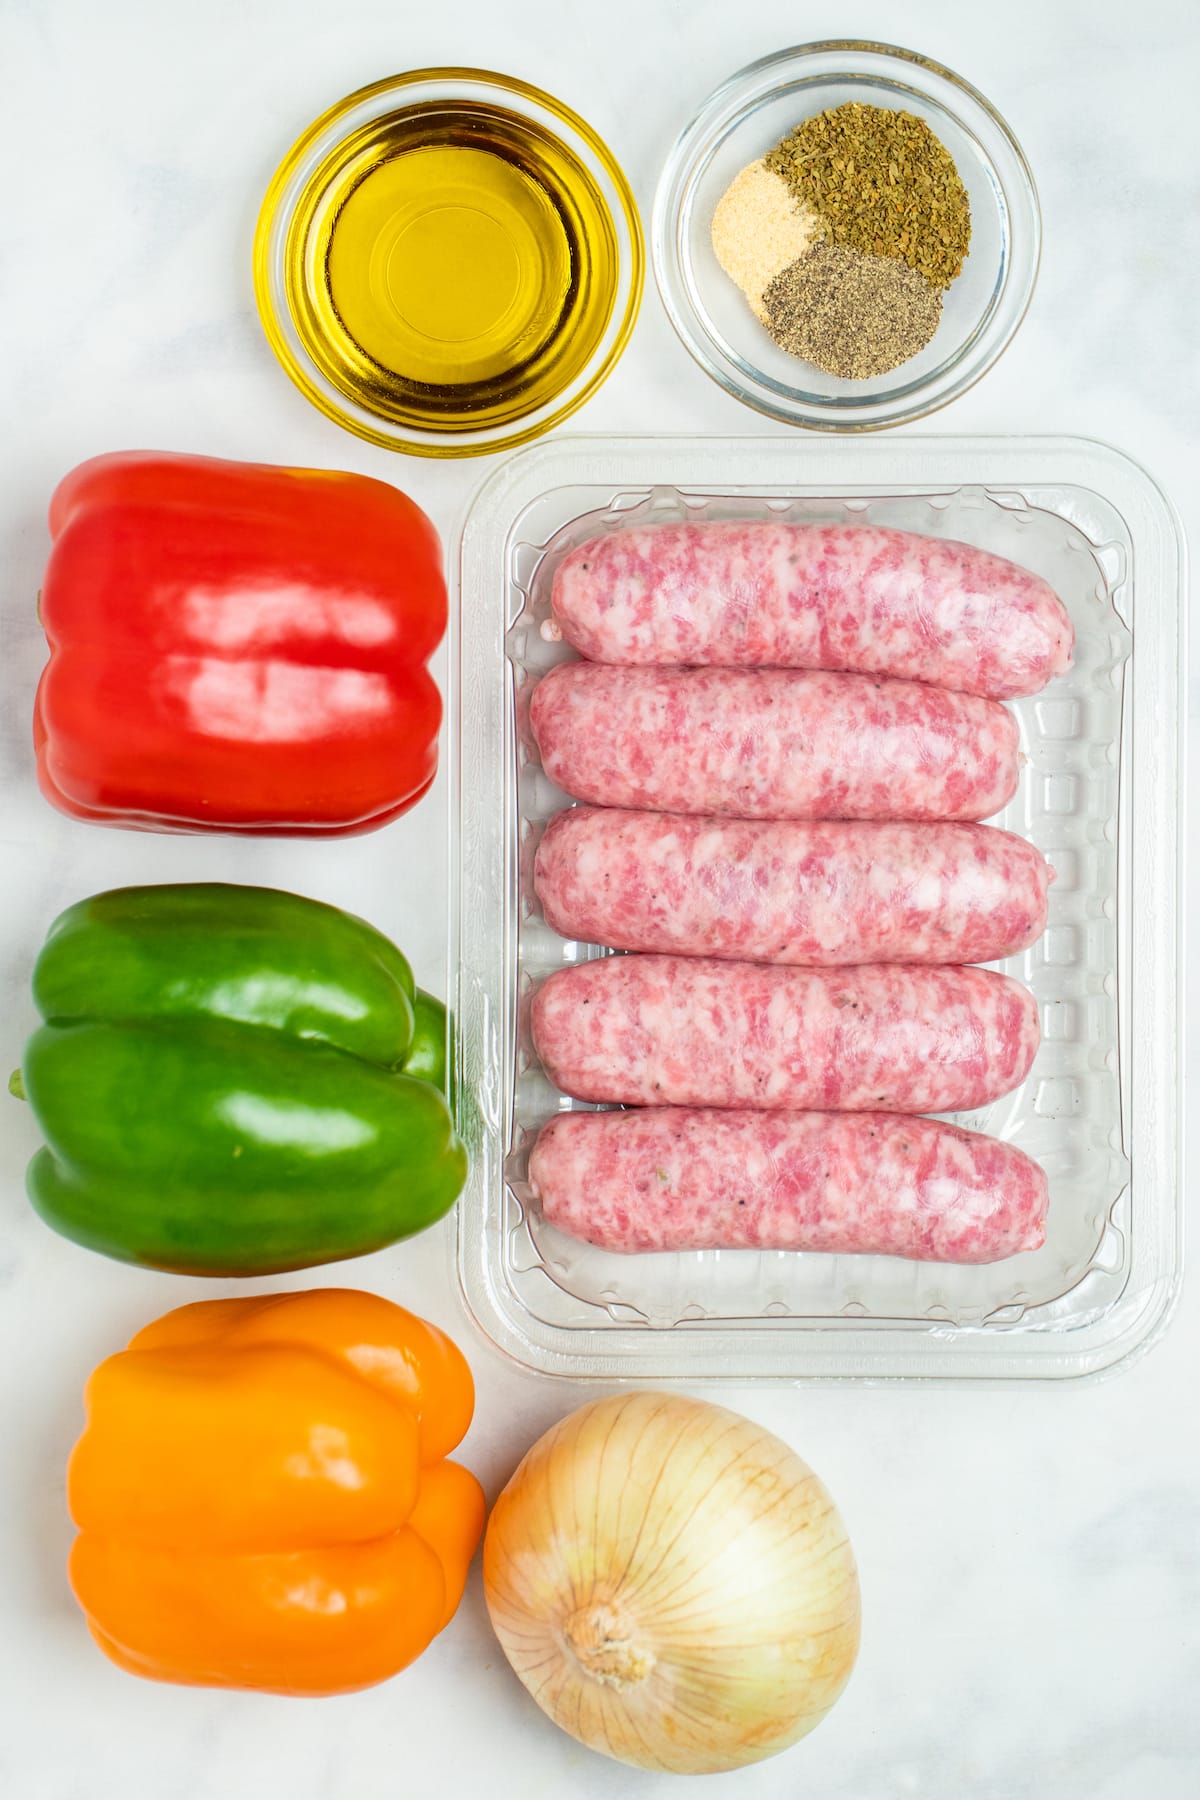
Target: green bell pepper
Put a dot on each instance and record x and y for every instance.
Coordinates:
(221, 1083)
(427, 1052)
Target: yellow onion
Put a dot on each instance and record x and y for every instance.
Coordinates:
(672, 1584)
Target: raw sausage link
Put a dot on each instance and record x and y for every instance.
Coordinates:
(674, 1178)
(820, 894)
(853, 597)
(773, 743)
(686, 1031)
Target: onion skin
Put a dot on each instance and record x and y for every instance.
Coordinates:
(672, 1584)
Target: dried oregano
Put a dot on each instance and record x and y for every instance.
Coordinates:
(883, 183)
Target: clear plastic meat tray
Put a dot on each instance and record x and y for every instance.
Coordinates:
(1100, 794)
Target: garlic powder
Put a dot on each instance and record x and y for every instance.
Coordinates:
(759, 229)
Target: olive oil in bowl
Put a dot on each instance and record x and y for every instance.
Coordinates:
(447, 274)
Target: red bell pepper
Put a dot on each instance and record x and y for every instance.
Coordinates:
(235, 647)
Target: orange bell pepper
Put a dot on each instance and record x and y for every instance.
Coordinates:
(262, 1494)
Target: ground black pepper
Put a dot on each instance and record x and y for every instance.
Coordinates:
(849, 314)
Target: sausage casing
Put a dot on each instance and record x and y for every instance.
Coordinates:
(691, 1031)
(766, 594)
(881, 1184)
(819, 894)
(773, 743)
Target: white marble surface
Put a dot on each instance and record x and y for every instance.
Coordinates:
(1029, 1557)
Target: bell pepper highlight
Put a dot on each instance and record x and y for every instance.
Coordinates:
(263, 1498)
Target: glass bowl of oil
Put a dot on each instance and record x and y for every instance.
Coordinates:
(448, 262)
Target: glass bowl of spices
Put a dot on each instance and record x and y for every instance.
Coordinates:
(846, 236)
(448, 262)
